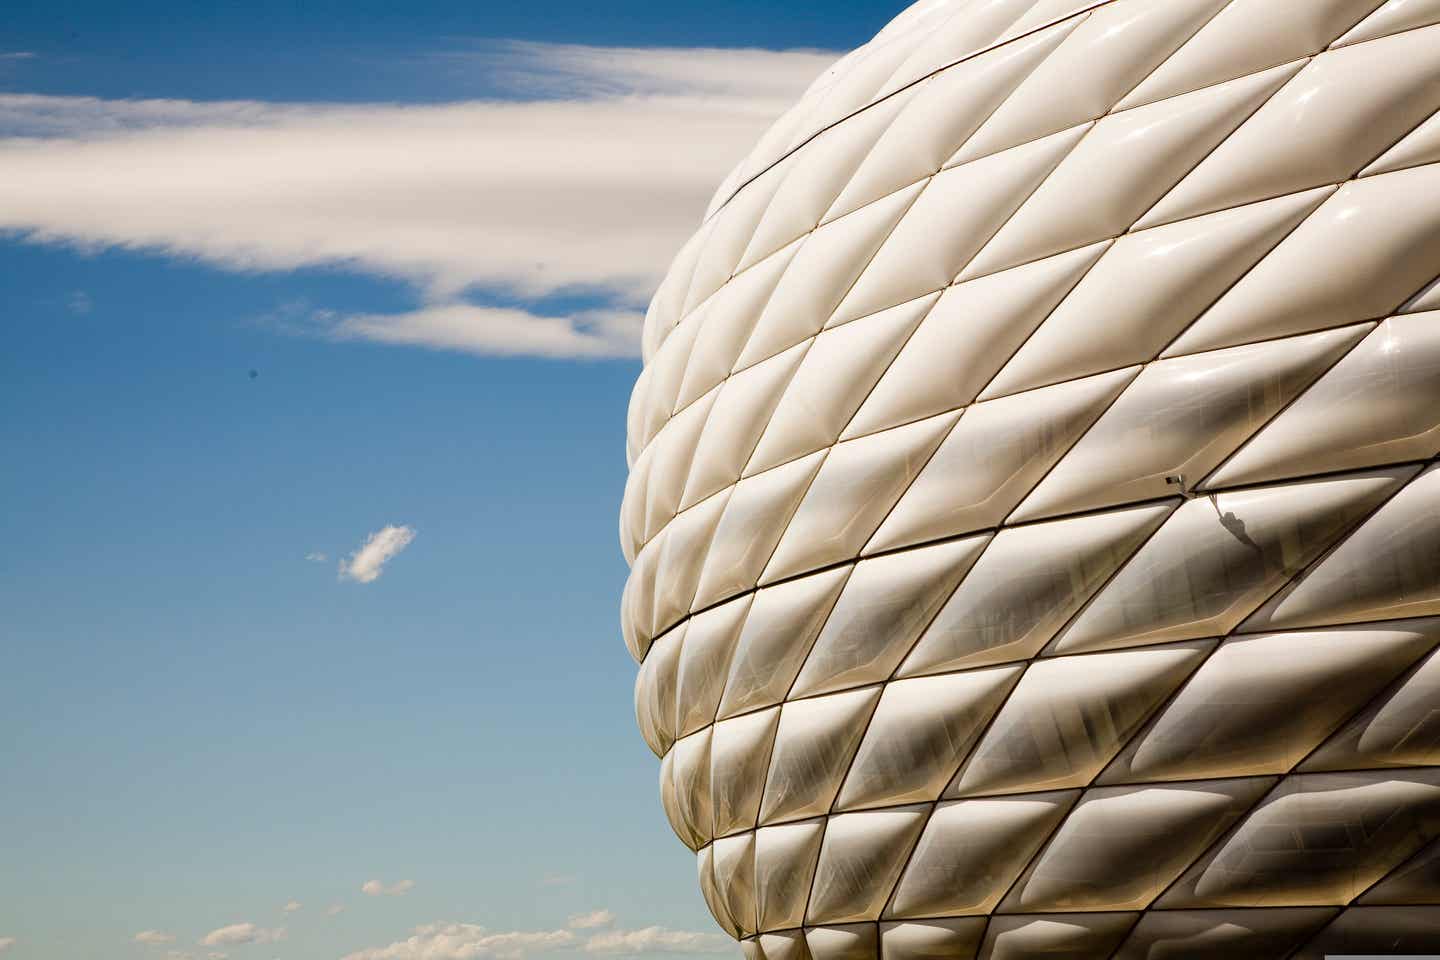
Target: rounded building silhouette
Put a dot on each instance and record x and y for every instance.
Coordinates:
(1034, 514)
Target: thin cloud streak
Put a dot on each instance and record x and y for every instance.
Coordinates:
(469, 941)
(587, 188)
(374, 888)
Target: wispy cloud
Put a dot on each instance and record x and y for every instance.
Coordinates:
(292, 906)
(587, 186)
(335, 909)
(18, 55)
(154, 937)
(470, 941)
(315, 556)
(365, 566)
(374, 888)
(79, 303)
(6, 943)
(241, 933)
(658, 940)
(591, 920)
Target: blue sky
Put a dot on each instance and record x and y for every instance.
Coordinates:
(352, 201)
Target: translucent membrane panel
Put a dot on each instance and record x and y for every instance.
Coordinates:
(739, 754)
(705, 864)
(953, 939)
(854, 490)
(1362, 254)
(785, 858)
(1069, 717)
(782, 624)
(705, 663)
(674, 450)
(1147, 288)
(734, 865)
(921, 731)
(1023, 589)
(1075, 936)
(1114, 48)
(1122, 846)
(972, 850)
(860, 861)
(959, 210)
(730, 234)
(755, 517)
(1390, 567)
(1260, 704)
(1400, 728)
(1339, 113)
(1183, 417)
(813, 748)
(1127, 162)
(784, 945)
(833, 379)
(1246, 36)
(1379, 404)
(944, 111)
(886, 603)
(852, 942)
(655, 691)
(965, 338)
(1316, 839)
(967, 29)
(1221, 934)
(995, 455)
(1218, 557)
(688, 805)
(667, 371)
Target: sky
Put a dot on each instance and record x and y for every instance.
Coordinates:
(320, 324)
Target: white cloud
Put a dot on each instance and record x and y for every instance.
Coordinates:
(499, 331)
(6, 943)
(374, 888)
(238, 933)
(658, 940)
(365, 566)
(467, 941)
(292, 906)
(154, 937)
(591, 920)
(335, 909)
(315, 556)
(79, 303)
(588, 187)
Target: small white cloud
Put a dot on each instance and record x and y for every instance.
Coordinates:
(79, 303)
(315, 556)
(374, 888)
(292, 906)
(657, 940)
(496, 331)
(17, 55)
(335, 909)
(238, 933)
(467, 941)
(154, 937)
(366, 564)
(591, 920)
(6, 943)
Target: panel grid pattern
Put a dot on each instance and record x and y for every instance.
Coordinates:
(1034, 507)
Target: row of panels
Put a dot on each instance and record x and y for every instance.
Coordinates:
(1298, 933)
(1333, 699)
(1310, 840)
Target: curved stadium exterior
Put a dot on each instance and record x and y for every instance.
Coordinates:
(1034, 513)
